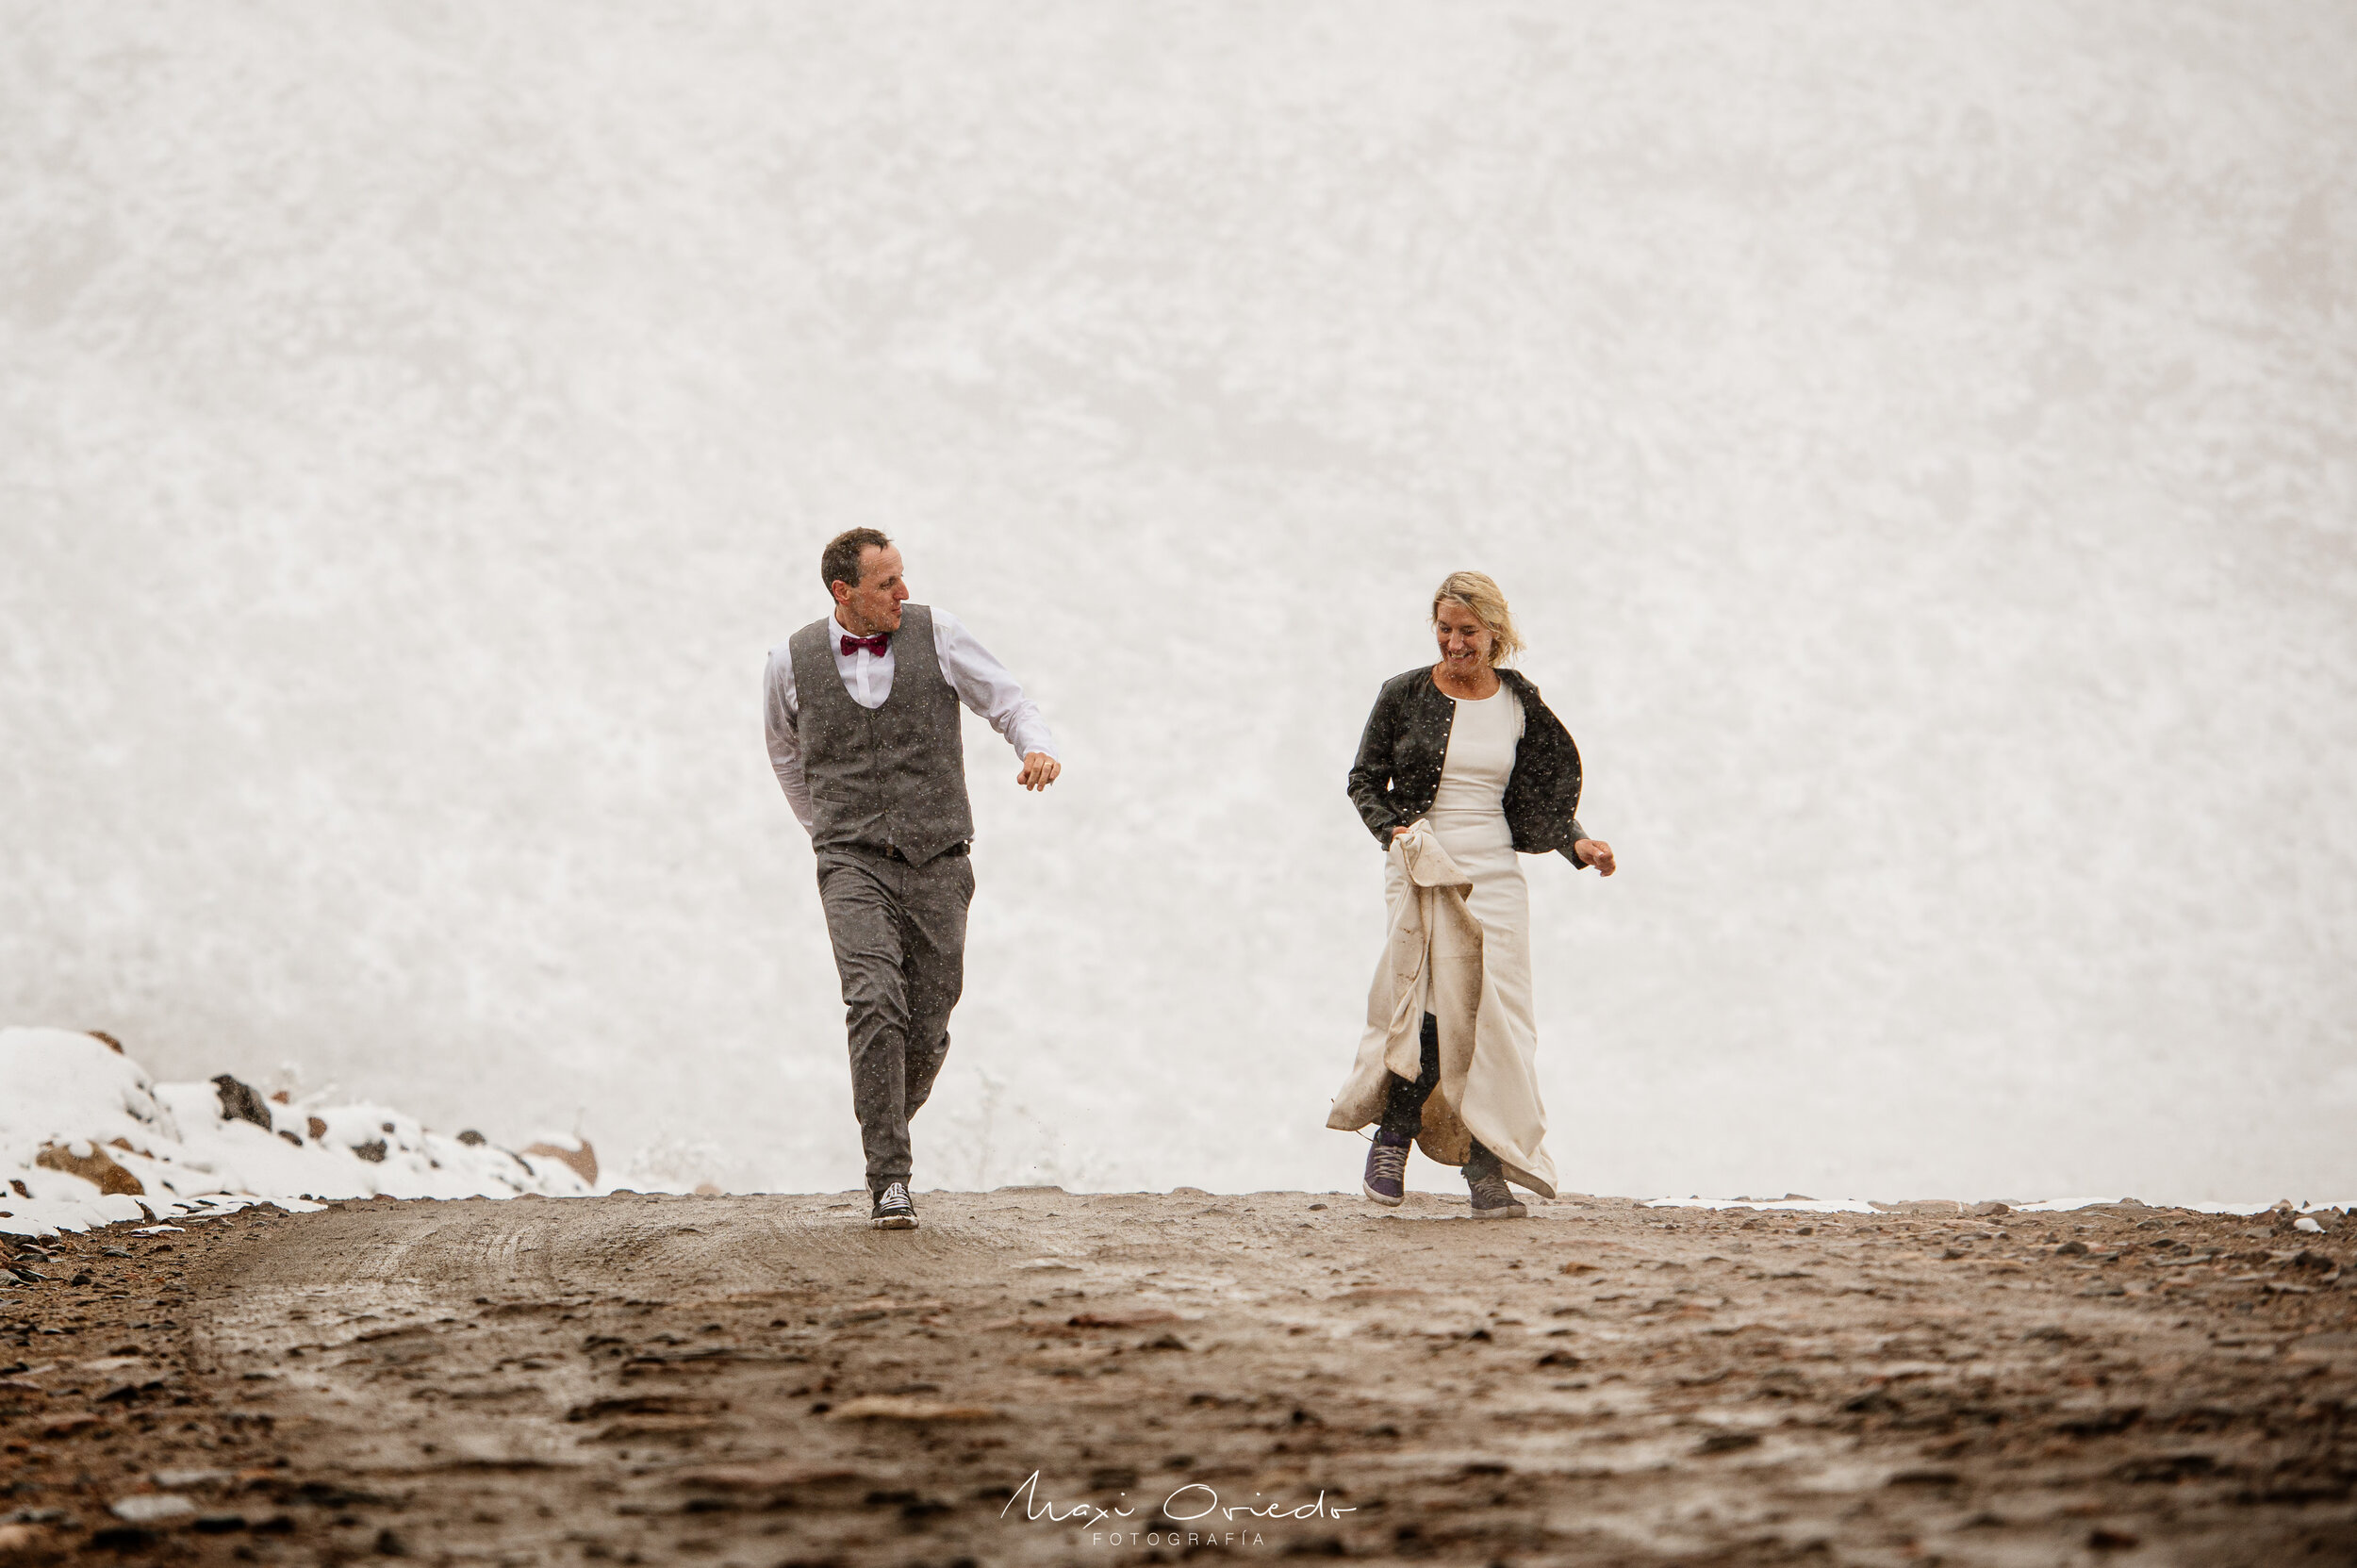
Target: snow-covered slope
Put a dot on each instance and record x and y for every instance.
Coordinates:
(88, 1138)
(1915, 437)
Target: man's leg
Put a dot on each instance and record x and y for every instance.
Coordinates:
(933, 938)
(861, 898)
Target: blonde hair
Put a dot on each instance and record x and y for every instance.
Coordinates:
(1474, 591)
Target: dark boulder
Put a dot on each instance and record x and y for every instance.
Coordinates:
(239, 1102)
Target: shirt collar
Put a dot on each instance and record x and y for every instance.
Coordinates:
(842, 631)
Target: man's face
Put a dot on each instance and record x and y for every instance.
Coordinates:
(874, 606)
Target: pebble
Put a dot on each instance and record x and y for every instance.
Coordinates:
(891, 1407)
(174, 1480)
(152, 1508)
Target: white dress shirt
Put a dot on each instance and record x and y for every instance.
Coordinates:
(980, 681)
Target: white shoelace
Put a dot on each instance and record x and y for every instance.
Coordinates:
(1388, 1162)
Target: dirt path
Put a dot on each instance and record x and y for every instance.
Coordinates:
(763, 1380)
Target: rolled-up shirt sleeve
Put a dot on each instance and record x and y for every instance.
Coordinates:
(782, 711)
(985, 685)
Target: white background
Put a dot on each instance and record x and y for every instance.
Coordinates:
(1917, 440)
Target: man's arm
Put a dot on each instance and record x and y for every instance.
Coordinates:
(780, 711)
(990, 689)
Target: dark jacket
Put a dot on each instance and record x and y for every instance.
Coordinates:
(1398, 770)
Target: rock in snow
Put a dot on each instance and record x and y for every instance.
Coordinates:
(92, 1163)
(239, 1102)
(575, 1153)
(88, 1138)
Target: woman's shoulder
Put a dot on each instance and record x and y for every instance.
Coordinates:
(1526, 689)
(1401, 693)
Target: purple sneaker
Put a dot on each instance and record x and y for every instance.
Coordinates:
(1387, 1169)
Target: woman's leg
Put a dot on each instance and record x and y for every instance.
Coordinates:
(1385, 1177)
(1403, 1104)
(1485, 1183)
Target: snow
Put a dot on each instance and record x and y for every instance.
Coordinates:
(1906, 434)
(76, 1098)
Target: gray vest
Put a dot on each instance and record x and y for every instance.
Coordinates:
(885, 778)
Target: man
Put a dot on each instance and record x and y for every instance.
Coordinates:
(863, 720)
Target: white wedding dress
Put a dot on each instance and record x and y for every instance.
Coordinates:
(1459, 947)
(1468, 816)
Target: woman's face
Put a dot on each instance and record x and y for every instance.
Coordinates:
(1465, 643)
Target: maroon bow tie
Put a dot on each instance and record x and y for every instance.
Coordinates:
(875, 645)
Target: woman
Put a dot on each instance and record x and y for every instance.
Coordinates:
(1462, 757)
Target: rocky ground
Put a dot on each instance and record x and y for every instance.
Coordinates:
(763, 1380)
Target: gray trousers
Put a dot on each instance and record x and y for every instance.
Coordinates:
(899, 945)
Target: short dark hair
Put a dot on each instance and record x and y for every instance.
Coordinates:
(839, 561)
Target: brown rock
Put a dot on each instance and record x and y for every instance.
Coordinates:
(1123, 1320)
(108, 1040)
(97, 1165)
(583, 1160)
(646, 1404)
(318, 1129)
(239, 1102)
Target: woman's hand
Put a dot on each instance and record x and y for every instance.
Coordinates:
(1595, 852)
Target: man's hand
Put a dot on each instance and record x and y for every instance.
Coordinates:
(1039, 770)
(1595, 852)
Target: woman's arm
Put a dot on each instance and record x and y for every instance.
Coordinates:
(1371, 774)
(1583, 851)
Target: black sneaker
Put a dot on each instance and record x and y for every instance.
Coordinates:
(1492, 1199)
(894, 1212)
